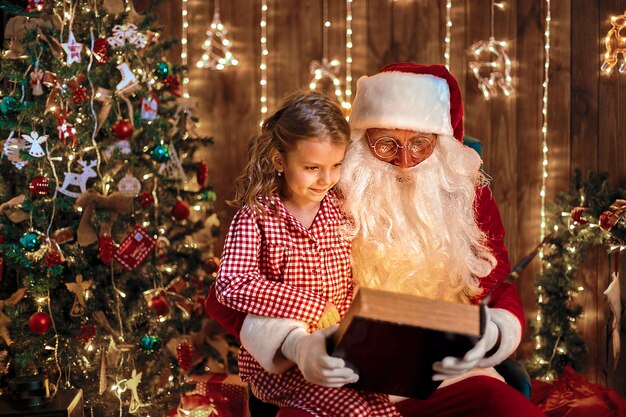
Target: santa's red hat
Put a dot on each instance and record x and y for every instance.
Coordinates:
(424, 98)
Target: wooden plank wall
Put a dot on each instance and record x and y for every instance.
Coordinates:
(586, 115)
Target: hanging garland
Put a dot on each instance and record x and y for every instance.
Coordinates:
(590, 214)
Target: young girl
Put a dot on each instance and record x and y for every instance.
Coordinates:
(285, 256)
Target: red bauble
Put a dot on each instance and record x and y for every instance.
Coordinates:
(101, 50)
(35, 6)
(40, 322)
(146, 199)
(211, 265)
(105, 249)
(202, 173)
(180, 211)
(39, 186)
(159, 305)
(122, 129)
(184, 354)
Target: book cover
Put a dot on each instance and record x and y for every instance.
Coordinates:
(392, 340)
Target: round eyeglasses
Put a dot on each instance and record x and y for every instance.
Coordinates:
(420, 147)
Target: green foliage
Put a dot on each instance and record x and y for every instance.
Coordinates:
(115, 302)
(558, 343)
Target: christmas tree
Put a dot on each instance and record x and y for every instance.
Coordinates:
(106, 218)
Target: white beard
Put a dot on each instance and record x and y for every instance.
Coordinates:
(416, 234)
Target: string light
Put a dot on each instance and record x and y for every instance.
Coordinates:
(183, 42)
(446, 54)
(348, 87)
(544, 128)
(263, 66)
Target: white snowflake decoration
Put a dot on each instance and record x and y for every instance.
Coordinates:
(127, 33)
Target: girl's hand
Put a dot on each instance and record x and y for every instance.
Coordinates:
(330, 316)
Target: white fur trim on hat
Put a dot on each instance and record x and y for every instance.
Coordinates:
(399, 100)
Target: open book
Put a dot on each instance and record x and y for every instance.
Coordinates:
(392, 340)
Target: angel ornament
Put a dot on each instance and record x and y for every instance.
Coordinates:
(35, 144)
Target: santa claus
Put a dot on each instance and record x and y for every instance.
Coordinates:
(425, 223)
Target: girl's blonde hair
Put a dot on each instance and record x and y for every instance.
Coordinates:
(302, 116)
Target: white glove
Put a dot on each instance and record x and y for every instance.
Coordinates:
(308, 351)
(500, 323)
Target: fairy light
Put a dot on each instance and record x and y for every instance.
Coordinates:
(544, 128)
(183, 52)
(611, 55)
(446, 54)
(217, 55)
(263, 66)
(348, 88)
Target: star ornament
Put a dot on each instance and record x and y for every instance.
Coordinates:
(73, 49)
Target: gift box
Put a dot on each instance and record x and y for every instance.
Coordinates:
(215, 394)
(66, 403)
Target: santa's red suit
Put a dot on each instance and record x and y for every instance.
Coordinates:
(448, 236)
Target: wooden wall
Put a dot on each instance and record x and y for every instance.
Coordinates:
(587, 116)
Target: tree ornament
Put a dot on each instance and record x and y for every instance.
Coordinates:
(31, 241)
(180, 211)
(66, 131)
(9, 105)
(216, 47)
(211, 264)
(72, 48)
(79, 180)
(40, 323)
(146, 199)
(53, 258)
(80, 94)
(160, 153)
(129, 82)
(615, 44)
(150, 344)
(577, 215)
(87, 333)
(106, 248)
(149, 108)
(159, 305)
(78, 288)
(129, 185)
(209, 195)
(13, 147)
(127, 33)
(173, 168)
(39, 186)
(35, 6)
(135, 248)
(184, 355)
(122, 129)
(35, 141)
(173, 85)
(101, 50)
(202, 173)
(35, 81)
(162, 70)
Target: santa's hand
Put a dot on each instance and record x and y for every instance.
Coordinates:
(503, 327)
(308, 351)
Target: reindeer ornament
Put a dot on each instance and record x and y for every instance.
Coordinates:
(615, 43)
(79, 180)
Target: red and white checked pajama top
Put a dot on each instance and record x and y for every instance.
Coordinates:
(273, 266)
